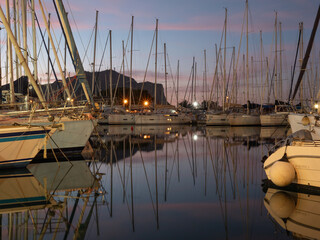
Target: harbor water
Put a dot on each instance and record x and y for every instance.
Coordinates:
(149, 182)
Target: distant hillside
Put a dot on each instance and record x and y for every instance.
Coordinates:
(102, 78)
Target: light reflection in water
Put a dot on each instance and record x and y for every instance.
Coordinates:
(166, 185)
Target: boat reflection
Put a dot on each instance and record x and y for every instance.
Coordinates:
(36, 201)
(63, 176)
(296, 212)
(170, 174)
(20, 191)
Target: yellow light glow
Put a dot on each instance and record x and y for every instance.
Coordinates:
(316, 106)
(125, 101)
(146, 103)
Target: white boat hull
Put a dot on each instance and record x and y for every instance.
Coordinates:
(277, 119)
(118, 119)
(305, 160)
(244, 120)
(153, 119)
(72, 135)
(217, 119)
(20, 144)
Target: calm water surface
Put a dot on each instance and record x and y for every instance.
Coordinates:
(179, 182)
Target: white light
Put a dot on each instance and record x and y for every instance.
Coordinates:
(195, 104)
(195, 137)
(68, 99)
(316, 106)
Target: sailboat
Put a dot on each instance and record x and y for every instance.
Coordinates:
(298, 160)
(160, 116)
(277, 118)
(299, 121)
(248, 118)
(214, 117)
(72, 133)
(115, 115)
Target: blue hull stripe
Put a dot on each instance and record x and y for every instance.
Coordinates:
(21, 138)
(22, 200)
(24, 133)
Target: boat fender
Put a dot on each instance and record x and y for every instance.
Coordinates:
(282, 173)
(305, 121)
(282, 204)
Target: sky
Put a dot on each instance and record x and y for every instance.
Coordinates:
(188, 28)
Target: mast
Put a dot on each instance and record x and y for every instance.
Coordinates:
(24, 28)
(110, 72)
(216, 72)
(15, 34)
(19, 36)
(22, 60)
(81, 75)
(195, 82)
(94, 54)
(244, 76)
(301, 58)
(247, 58)
(192, 85)
(0, 71)
(205, 97)
(234, 87)
(224, 62)
(165, 70)
(12, 97)
(34, 41)
(261, 72)
(276, 59)
(123, 79)
(155, 71)
(252, 77)
(280, 55)
(62, 72)
(267, 79)
(178, 66)
(131, 65)
(48, 76)
(306, 57)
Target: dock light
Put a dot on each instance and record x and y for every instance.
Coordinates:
(195, 137)
(316, 106)
(68, 99)
(146, 103)
(195, 104)
(125, 101)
